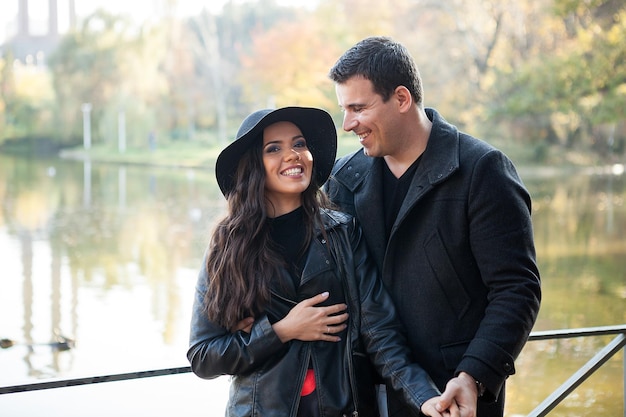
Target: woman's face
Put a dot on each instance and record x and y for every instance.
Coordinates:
(288, 167)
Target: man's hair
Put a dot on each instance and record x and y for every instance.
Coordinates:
(386, 63)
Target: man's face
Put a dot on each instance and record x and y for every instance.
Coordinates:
(367, 115)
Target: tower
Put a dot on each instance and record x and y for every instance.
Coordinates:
(38, 31)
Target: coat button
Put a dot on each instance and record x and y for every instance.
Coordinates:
(508, 367)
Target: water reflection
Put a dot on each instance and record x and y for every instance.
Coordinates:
(113, 243)
(108, 255)
(579, 223)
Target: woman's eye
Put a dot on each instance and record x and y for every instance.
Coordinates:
(300, 144)
(272, 149)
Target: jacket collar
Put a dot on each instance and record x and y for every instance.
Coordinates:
(439, 161)
(317, 257)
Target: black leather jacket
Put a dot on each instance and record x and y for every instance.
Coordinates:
(268, 375)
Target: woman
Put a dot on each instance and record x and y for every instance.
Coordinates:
(287, 301)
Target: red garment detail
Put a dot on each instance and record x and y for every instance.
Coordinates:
(309, 383)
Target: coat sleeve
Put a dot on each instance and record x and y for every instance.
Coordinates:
(214, 350)
(501, 239)
(383, 333)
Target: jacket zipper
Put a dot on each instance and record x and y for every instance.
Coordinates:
(343, 277)
(308, 355)
(355, 413)
(308, 359)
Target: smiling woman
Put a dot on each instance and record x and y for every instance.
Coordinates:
(286, 278)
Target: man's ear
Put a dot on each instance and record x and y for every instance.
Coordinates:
(403, 98)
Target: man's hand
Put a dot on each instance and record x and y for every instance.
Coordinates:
(430, 408)
(462, 390)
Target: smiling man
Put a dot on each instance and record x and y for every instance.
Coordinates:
(447, 220)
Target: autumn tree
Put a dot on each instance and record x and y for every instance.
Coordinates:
(289, 66)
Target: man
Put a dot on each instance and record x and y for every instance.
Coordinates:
(448, 221)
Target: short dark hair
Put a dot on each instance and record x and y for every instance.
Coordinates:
(386, 63)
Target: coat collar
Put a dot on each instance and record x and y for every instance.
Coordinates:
(317, 257)
(441, 157)
(362, 175)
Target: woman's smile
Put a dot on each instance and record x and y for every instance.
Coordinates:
(288, 166)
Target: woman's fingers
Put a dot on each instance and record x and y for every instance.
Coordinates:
(307, 321)
(335, 328)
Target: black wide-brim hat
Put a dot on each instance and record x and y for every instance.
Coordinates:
(316, 126)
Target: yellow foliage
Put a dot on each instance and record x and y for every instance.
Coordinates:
(33, 83)
(289, 66)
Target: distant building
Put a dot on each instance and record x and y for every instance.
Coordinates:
(36, 29)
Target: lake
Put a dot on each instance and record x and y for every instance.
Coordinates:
(107, 255)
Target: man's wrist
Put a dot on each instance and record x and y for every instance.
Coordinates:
(480, 387)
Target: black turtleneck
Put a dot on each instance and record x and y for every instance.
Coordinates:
(288, 232)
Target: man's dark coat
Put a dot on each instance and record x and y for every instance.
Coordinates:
(460, 260)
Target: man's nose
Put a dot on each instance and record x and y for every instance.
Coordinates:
(349, 122)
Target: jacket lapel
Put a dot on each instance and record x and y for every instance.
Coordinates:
(439, 161)
(369, 207)
(363, 176)
(368, 200)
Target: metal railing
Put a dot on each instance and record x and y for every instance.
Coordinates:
(587, 369)
(542, 409)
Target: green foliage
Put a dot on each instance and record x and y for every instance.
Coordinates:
(576, 86)
(114, 67)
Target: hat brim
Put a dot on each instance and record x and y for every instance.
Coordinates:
(316, 125)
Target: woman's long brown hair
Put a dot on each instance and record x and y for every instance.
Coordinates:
(241, 258)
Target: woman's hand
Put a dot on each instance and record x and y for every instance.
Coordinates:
(307, 322)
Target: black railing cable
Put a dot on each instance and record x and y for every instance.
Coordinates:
(92, 380)
(541, 410)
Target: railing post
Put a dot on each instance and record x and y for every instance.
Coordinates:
(583, 373)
